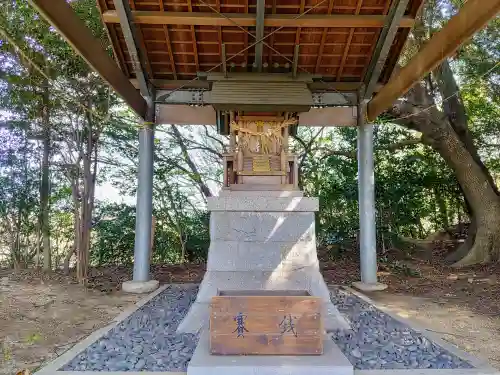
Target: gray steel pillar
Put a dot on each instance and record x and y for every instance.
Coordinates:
(366, 187)
(144, 209)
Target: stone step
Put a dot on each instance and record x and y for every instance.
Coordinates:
(332, 361)
(261, 193)
(262, 187)
(263, 204)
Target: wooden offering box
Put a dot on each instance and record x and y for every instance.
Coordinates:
(267, 323)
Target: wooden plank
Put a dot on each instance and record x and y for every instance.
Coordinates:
(305, 324)
(347, 45)
(111, 32)
(169, 45)
(266, 325)
(248, 20)
(60, 14)
(265, 304)
(473, 16)
(323, 39)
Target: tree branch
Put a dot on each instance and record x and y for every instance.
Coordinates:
(392, 147)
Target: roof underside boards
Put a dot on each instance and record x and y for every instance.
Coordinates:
(193, 43)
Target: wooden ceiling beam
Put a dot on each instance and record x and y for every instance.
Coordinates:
(473, 16)
(323, 40)
(60, 14)
(259, 33)
(165, 84)
(248, 20)
(132, 40)
(383, 46)
(169, 45)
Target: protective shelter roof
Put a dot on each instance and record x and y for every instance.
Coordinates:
(347, 44)
(337, 38)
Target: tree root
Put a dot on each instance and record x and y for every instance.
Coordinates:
(464, 248)
(486, 248)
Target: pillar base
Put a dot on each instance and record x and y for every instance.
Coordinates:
(139, 287)
(369, 287)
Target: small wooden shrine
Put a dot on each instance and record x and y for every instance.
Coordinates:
(258, 151)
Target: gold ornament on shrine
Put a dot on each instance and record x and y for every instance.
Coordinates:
(261, 137)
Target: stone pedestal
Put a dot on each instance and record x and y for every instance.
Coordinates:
(263, 241)
(333, 361)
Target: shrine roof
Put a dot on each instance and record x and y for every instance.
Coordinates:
(179, 38)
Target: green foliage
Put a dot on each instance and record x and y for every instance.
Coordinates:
(415, 191)
(114, 233)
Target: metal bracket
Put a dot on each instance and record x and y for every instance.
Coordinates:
(192, 97)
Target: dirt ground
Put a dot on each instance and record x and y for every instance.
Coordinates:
(39, 321)
(42, 316)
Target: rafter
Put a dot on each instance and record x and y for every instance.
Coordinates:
(246, 35)
(133, 45)
(193, 35)
(142, 46)
(323, 39)
(384, 43)
(248, 20)
(169, 45)
(111, 32)
(60, 14)
(299, 29)
(271, 39)
(219, 30)
(348, 44)
(259, 33)
(373, 47)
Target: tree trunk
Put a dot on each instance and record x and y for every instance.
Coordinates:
(76, 226)
(44, 189)
(454, 110)
(442, 208)
(475, 183)
(205, 190)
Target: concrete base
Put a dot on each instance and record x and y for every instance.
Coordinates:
(332, 361)
(139, 287)
(261, 242)
(364, 287)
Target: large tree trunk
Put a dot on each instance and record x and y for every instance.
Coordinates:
(44, 189)
(481, 196)
(454, 110)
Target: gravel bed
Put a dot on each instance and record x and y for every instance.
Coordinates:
(378, 341)
(146, 341)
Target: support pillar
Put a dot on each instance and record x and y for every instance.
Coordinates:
(366, 188)
(141, 282)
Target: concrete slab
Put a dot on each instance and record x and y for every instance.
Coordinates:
(331, 362)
